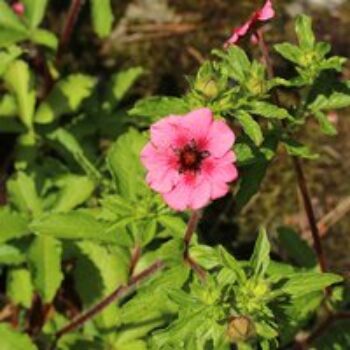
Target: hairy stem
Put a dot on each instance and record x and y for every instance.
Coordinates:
(191, 227)
(117, 294)
(298, 168)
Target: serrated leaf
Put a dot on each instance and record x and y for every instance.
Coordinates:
(156, 107)
(74, 190)
(290, 52)
(249, 184)
(19, 81)
(107, 269)
(297, 249)
(12, 340)
(8, 55)
(66, 97)
(9, 20)
(71, 144)
(326, 126)
(8, 106)
(124, 163)
(34, 11)
(174, 224)
(10, 255)
(295, 148)
(19, 288)
(250, 126)
(302, 283)
(334, 101)
(121, 83)
(45, 38)
(260, 259)
(205, 256)
(23, 194)
(73, 225)
(303, 28)
(45, 264)
(230, 262)
(12, 225)
(102, 17)
(237, 64)
(268, 110)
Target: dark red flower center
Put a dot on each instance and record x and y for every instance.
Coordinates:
(190, 157)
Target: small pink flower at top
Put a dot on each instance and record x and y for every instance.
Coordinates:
(264, 14)
(18, 8)
(190, 159)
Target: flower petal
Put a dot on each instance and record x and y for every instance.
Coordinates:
(200, 195)
(220, 139)
(218, 190)
(266, 12)
(220, 170)
(169, 132)
(198, 123)
(162, 181)
(178, 197)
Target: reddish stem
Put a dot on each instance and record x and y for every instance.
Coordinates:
(68, 27)
(117, 294)
(191, 227)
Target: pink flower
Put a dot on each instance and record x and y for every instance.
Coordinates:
(18, 8)
(189, 159)
(264, 14)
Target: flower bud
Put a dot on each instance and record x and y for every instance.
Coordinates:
(240, 328)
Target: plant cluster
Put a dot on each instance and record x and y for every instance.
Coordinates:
(92, 257)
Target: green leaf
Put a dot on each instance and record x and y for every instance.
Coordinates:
(23, 194)
(249, 184)
(334, 101)
(19, 288)
(230, 262)
(121, 83)
(71, 144)
(268, 110)
(290, 52)
(250, 126)
(102, 17)
(302, 283)
(74, 190)
(8, 55)
(10, 255)
(174, 224)
(45, 38)
(297, 249)
(260, 259)
(156, 107)
(326, 126)
(73, 225)
(19, 81)
(8, 106)
(106, 269)
(9, 20)
(12, 340)
(124, 163)
(295, 148)
(45, 264)
(12, 225)
(66, 97)
(205, 256)
(34, 11)
(237, 64)
(303, 28)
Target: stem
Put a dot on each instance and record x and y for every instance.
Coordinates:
(191, 227)
(71, 19)
(117, 294)
(297, 167)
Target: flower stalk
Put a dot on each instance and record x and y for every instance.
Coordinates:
(301, 180)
